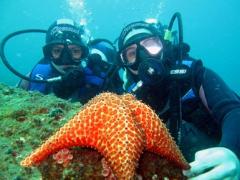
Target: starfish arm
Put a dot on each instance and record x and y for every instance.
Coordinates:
(158, 139)
(73, 133)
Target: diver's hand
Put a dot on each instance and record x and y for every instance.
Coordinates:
(74, 78)
(214, 163)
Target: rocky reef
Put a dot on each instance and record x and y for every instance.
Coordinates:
(28, 118)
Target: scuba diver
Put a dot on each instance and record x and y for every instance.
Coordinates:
(80, 69)
(201, 112)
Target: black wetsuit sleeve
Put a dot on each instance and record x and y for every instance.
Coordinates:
(61, 90)
(224, 105)
(71, 82)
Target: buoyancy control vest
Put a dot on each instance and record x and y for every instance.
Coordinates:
(93, 81)
(193, 110)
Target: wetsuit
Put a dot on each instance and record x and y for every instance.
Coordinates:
(95, 81)
(210, 110)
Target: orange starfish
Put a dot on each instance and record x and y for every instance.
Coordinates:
(120, 128)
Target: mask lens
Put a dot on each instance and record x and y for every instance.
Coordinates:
(128, 55)
(75, 51)
(56, 51)
(153, 45)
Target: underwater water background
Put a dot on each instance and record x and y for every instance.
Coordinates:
(210, 27)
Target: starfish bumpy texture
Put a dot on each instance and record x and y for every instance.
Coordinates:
(120, 128)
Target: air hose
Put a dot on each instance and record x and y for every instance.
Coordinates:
(11, 68)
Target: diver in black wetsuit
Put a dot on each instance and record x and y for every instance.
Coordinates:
(200, 110)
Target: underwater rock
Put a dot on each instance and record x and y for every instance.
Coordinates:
(26, 120)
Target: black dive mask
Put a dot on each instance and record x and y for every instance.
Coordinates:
(66, 58)
(151, 46)
(151, 69)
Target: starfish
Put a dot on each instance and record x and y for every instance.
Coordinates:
(120, 128)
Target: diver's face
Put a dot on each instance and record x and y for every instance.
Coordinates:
(147, 47)
(74, 51)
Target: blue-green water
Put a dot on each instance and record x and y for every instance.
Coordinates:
(211, 27)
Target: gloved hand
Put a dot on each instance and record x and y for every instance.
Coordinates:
(214, 163)
(74, 78)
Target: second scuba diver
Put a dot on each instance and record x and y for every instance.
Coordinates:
(85, 68)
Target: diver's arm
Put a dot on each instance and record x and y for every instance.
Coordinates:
(42, 70)
(70, 82)
(61, 90)
(224, 105)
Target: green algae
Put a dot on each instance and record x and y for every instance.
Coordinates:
(26, 120)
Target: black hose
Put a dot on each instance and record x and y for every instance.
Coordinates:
(5, 61)
(175, 89)
(180, 33)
